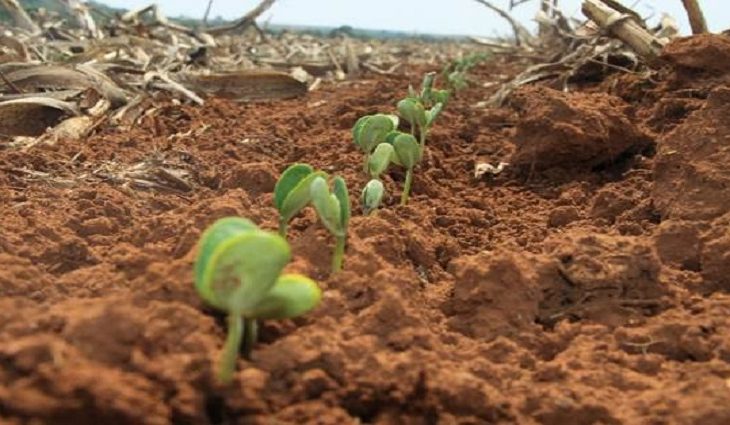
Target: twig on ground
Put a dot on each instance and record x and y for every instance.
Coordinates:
(172, 86)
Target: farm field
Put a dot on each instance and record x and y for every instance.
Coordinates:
(585, 283)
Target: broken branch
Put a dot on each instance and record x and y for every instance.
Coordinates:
(696, 17)
(20, 16)
(624, 27)
(80, 10)
(522, 36)
(243, 23)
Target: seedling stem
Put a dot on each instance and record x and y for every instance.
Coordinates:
(407, 187)
(283, 228)
(366, 164)
(250, 336)
(339, 253)
(231, 347)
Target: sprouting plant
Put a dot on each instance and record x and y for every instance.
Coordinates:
(421, 110)
(238, 270)
(299, 185)
(369, 131)
(372, 196)
(380, 159)
(407, 153)
(292, 194)
(456, 73)
(401, 149)
(333, 210)
(379, 138)
(428, 96)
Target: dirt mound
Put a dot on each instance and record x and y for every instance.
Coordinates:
(608, 279)
(692, 167)
(705, 52)
(494, 294)
(715, 254)
(679, 244)
(572, 130)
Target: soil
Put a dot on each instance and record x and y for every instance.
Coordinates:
(586, 284)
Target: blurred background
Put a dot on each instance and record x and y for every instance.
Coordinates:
(439, 17)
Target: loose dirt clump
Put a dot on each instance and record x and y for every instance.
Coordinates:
(678, 244)
(492, 295)
(594, 291)
(706, 52)
(572, 130)
(692, 167)
(608, 279)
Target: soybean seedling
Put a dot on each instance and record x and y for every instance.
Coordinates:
(369, 131)
(456, 72)
(333, 210)
(238, 270)
(372, 196)
(401, 149)
(373, 192)
(421, 110)
(292, 194)
(380, 159)
(408, 154)
(429, 96)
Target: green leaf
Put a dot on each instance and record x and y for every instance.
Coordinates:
(441, 96)
(343, 197)
(434, 113)
(395, 119)
(298, 197)
(372, 195)
(239, 270)
(291, 296)
(412, 111)
(357, 128)
(213, 236)
(373, 131)
(407, 150)
(327, 205)
(389, 139)
(380, 159)
(427, 86)
(289, 179)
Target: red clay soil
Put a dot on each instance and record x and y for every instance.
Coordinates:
(587, 284)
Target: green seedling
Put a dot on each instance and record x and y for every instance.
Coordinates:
(430, 97)
(238, 271)
(408, 153)
(372, 196)
(441, 96)
(292, 194)
(422, 110)
(456, 73)
(412, 110)
(370, 130)
(401, 149)
(333, 210)
(380, 159)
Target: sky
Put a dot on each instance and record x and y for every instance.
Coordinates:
(456, 17)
